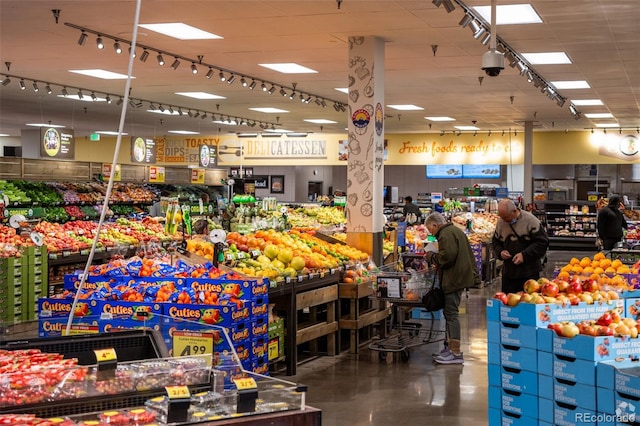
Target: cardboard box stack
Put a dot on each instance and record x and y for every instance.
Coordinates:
(12, 289)
(538, 377)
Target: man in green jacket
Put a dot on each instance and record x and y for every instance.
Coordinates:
(457, 271)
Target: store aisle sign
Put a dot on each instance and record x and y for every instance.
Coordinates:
(57, 144)
(208, 156)
(156, 174)
(106, 172)
(285, 148)
(143, 150)
(197, 176)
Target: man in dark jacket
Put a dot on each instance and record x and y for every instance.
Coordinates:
(611, 223)
(457, 270)
(521, 242)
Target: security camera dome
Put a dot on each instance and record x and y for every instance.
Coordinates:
(493, 63)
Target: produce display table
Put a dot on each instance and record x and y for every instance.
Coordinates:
(292, 298)
(310, 416)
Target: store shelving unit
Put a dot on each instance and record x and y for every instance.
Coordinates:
(570, 224)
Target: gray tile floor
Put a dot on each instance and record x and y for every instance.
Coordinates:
(365, 390)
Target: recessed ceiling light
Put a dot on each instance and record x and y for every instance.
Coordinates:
(320, 121)
(607, 125)
(180, 31)
(269, 110)
(110, 132)
(440, 118)
(511, 14)
(107, 75)
(183, 132)
(289, 68)
(599, 115)
(200, 95)
(571, 84)
(467, 127)
(2, 135)
(547, 58)
(406, 107)
(343, 89)
(57, 126)
(165, 112)
(586, 102)
(84, 98)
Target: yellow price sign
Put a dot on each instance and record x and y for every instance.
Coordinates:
(188, 343)
(178, 392)
(104, 355)
(273, 350)
(245, 383)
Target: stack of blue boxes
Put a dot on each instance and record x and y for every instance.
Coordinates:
(537, 377)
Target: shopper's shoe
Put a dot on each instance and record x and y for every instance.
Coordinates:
(445, 351)
(450, 358)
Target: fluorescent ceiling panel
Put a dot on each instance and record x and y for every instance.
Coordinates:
(570, 84)
(406, 107)
(440, 119)
(607, 125)
(510, 14)
(110, 132)
(3, 135)
(269, 110)
(547, 58)
(165, 112)
(229, 123)
(200, 95)
(86, 97)
(467, 127)
(289, 68)
(98, 73)
(320, 121)
(180, 31)
(57, 126)
(183, 132)
(599, 115)
(343, 89)
(586, 102)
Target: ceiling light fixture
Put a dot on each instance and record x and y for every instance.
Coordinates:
(209, 73)
(93, 97)
(119, 102)
(64, 92)
(160, 107)
(83, 38)
(252, 85)
(271, 89)
(160, 59)
(263, 86)
(466, 20)
(22, 85)
(108, 99)
(47, 88)
(171, 111)
(80, 95)
(283, 92)
(176, 63)
(194, 69)
(222, 76)
(6, 81)
(292, 95)
(485, 39)
(35, 86)
(180, 112)
(117, 48)
(243, 82)
(144, 55)
(231, 79)
(134, 52)
(99, 43)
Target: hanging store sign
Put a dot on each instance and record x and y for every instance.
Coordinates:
(208, 156)
(56, 144)
(106, 172)
(143, 151)
(197, 176)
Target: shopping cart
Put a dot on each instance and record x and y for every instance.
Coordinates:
(404, 289)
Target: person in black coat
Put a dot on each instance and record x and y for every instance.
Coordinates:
(611, 223)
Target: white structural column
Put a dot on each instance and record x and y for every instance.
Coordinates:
(528, 162)
(365, 173)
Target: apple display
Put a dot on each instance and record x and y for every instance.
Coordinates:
(550, 289)
(531, 286)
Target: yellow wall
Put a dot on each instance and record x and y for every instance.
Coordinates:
(402, 149)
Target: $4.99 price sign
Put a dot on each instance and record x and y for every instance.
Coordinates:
(188, 343)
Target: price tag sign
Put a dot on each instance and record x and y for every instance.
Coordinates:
(241, 255)
(245, 383)
(103, 355)
(107, 363)
(178, 392)
(273, 349)
(322, 274)
(299, 278)
(256, 253)
(188, 343)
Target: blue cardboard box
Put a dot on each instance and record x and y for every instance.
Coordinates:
(517, 403)
(260, 325)
(260, 306)
(53, 327)
(621, 407)
(514, 357)
(596, 348)
(512, 334)
(421, 313)
(570, 393)
(513, 379)
(632, 308)
(225, 316)
(499, 417)
(129, 315)
(540, 315)
(567, 368)
(564, 414)
(52, 308)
